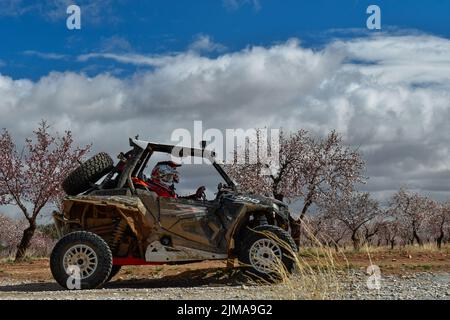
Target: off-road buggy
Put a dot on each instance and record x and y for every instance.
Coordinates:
(110, 219)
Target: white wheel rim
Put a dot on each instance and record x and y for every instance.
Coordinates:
(265, 255)
(83, 257)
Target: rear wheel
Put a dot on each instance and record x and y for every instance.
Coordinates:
(114, 271)
(81, 260)
(267, 250)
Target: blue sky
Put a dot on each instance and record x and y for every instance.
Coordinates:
(161, 26)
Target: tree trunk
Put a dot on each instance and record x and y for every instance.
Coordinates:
(306, 206)
(439, 240)
(355, 240)
(28, 234)
(278, 196)
(392, 244)
(308, 203)
(416, 236)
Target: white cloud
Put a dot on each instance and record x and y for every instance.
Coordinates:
(45, 55)
(115, 43)
(389, 95)
(136, 59)
(201, 44)
(204, 43)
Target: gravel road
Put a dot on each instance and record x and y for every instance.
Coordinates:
(352, 286)
(418, 286)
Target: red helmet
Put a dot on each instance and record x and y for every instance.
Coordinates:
(165, 173)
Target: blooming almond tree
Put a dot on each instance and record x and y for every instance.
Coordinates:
(439, 223)
(312, 227)
(334, 233)
(390, 231)
(253, 177)
(32, 178)
(329, 168)
(413, 211)
(371, 230)
(311, 169)
(354, 211)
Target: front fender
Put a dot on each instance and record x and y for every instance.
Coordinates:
(246, 211)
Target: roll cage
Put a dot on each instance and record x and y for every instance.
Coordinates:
(134, 162)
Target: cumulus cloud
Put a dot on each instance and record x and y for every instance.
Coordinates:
(388, 95)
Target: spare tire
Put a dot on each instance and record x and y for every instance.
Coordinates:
(87, 173)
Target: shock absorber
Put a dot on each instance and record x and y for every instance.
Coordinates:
(261, 219)
(117, 234)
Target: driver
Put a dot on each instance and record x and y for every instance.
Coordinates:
(163, 179)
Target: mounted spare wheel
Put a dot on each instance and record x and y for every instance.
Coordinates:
(89, 172)
(81, 260)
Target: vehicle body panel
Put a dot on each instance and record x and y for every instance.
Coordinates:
(140, 226)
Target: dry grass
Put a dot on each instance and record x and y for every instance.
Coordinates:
(427, 247)
(317, 273)
(320, 270)
(31, 254)
(315, 276)
(401, 250)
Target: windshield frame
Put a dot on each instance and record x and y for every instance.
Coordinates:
(149, 148)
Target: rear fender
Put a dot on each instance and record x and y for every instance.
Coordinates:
(87, 213)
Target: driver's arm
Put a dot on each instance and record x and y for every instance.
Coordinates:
(198, 195)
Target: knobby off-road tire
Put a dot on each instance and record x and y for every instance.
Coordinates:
(85, 252)
(87, 173)
(261, 245)
(115, 270)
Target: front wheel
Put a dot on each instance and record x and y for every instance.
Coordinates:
(81, 260)
(268, 251)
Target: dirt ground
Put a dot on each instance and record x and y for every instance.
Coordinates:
(399, 261)
(39, 270)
